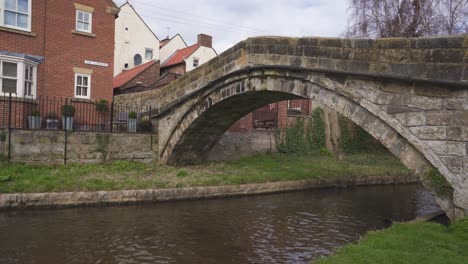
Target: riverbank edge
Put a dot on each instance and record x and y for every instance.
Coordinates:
(96, 198)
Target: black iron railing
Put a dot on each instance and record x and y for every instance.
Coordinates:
(57, 113)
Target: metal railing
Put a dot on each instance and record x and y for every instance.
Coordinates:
(58, 113)
(265, 117)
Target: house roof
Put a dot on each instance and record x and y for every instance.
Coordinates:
(167, 40)
(127, 3)
(126, 76)
(180, 55)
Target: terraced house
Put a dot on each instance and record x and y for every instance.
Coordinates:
(57, 48)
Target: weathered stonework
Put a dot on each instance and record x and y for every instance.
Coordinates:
(408, 93)
(48, 147)
(70, 199)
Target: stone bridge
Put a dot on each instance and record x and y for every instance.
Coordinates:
(410, 94)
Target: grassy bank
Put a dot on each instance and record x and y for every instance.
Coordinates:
(131, 175)
(419, 242)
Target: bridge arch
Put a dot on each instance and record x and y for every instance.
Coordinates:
(222, 103)
(411, 94)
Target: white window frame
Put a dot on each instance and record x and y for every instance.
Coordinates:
(29, 80)
(90, 30)
(88, 96)
(152, 53)
(21, 65)
(197, 62)
(2, 16)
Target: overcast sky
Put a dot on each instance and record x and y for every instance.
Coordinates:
(232, 21)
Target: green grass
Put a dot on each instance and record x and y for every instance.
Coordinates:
(415, 242)
(132, 175)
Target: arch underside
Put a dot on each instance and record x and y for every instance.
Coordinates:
(214, 112)
(198, 140)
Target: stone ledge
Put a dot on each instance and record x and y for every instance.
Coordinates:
(17, 31)
(73, 199)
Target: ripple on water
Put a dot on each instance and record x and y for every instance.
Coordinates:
(282, 228)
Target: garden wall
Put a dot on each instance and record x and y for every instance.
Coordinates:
(48, 147)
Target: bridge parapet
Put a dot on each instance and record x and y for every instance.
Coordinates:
(435, 59)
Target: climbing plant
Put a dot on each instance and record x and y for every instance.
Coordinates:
(316, 130)
(356, 140)
(304, 135)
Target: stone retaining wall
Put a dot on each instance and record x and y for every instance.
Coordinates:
(69, 199)
(3, 138)
(234, 145)
(48, 147)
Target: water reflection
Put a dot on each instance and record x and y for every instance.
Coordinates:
(281, 228)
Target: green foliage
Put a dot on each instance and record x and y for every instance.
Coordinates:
(35, 113)
(318, 138)
(440, 185)
(145, 126)
(3, 136)
(414, 242)
(295, 137)
(102, 106)
(132, 115)
(125, 175)
(68, 110)
(5, 178)
(102, 142)
(304, 135)
(359, 141)
(182, 173)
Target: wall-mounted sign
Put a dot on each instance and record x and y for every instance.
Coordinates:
(96, 63)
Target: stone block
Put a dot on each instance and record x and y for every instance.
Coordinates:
(444, 72)
(437, 42)
(362, 43)
(448, 148)
(443, 56)
(392, 43)
(464, 135)
(416, 70)
(438, 118)
(395, 109)
(456, 104)
(411, 119)
(465, 165)
(430, 132)
(454, 164)
(454, 133)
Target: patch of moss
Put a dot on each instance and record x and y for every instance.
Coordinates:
(440, 185)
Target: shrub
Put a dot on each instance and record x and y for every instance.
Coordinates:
(145, 126)
(68, 110)
(35, 113)
(102, 106)
(132, 115)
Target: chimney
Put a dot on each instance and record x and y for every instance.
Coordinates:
(205, 40)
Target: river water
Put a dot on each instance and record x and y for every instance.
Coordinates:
(294, 227)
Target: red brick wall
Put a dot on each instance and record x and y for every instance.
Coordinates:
(52, 22)
(146, 78)
(176, 69)
(245, 124)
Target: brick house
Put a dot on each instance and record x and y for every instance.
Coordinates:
(57, 48)
(184, 60)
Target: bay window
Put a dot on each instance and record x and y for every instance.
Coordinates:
(17, 76)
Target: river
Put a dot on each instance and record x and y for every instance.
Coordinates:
(294, 227)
